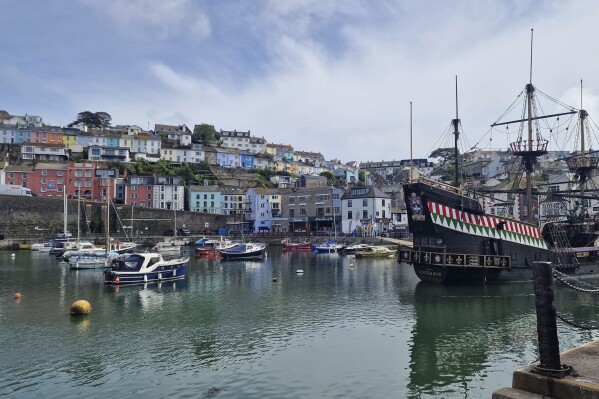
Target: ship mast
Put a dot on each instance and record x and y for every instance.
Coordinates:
(456, 122)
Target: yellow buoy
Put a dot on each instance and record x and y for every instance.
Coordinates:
(80, 307)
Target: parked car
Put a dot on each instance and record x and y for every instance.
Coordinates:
(183, 231)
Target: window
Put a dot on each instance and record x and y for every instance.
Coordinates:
(88, 183)
(43, 181)
(149, 197)
(302, 210)
(365, 214)
(133, 196)
(319, 211)
(44, 173)
(327, 210)
(134, 188)
(291, 212)
(349, 203)
(23, 175)
(291, 200)
(383, 202)
(60, 181)
(350, 215)
(364, 202)
(384, 214)
(88, 173)
(78, 173)
(59, 173)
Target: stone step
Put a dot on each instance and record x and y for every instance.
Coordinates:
(513, 393)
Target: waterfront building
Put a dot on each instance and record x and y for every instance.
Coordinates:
(136, 191)
(315, 210)
(366, 210)
(264, 204)
(87, 179)
(169, 192)
(233, 201)
(206, 199)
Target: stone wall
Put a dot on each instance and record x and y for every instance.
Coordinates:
(37, 217)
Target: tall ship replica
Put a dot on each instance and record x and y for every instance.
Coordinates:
(455, 240)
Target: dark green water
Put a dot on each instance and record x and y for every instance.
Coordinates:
(370, 331)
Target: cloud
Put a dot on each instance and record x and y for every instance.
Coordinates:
(162, 19)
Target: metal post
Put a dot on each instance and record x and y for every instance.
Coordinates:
(546, 319)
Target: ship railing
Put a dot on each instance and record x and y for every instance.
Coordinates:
(522, 146)
(580, 162)
(441, 185)
(446, 259)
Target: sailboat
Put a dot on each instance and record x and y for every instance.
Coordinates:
(171, 246)
(330, 246)
(454, 240)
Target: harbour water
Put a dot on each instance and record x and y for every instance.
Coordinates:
(336, 331)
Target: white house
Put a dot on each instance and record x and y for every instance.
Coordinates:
(367, 210)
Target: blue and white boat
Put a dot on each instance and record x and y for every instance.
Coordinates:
(146, 267)
(328, 247)
(246, 250)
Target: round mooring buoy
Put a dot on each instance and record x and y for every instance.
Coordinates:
(274, 279)
(12, 255)
(17, 296)
(299, 271)
(80, 307)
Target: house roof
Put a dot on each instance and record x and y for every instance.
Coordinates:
(200, 189)
(364, 192)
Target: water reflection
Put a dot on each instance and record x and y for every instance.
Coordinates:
(458, 329)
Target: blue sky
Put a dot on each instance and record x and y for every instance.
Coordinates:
(329, 76)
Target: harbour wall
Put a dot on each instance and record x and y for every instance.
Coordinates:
(30, 218)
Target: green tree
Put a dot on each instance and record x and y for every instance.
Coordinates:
(362, 176)
(92, 119)
(205, 134)
(444, 154)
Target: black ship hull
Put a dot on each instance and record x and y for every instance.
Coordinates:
(456, 242)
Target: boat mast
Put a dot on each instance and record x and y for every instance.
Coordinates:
(78, 214)
(107, 220)
(583, 114)
(411, 156)
(64, 205)
(456, 122)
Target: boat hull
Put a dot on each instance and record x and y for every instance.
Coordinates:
(297, 247)
(258, 254)
(455, 242)
(163, 273)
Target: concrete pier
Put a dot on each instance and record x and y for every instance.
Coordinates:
(582, 383)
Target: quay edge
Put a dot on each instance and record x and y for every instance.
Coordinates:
(582, 383)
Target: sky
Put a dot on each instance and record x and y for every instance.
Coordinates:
(336, 77)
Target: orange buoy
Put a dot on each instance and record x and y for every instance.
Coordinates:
(117, 280)
(17, 296)
(80, 307)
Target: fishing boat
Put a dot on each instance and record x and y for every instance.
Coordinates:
(329, 246)
(376, 251)
(246, 250)
(145, 267)
(352, 249)
(289, 245)
(208, 246)
(455, 240)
